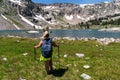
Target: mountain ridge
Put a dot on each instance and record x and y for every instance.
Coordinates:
(58, 15)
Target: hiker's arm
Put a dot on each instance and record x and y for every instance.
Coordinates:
(54, 44)
(39, 45)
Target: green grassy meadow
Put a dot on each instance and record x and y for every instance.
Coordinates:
(104, 60)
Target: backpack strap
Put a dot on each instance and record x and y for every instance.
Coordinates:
(45, 40)
(50, 40)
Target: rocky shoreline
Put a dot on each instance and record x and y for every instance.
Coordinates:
(115, 29)
(104, 41)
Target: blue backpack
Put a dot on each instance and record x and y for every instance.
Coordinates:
(47, 48)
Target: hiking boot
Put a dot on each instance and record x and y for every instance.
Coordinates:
(49, 72)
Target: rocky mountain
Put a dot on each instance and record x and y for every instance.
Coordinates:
(24, 14)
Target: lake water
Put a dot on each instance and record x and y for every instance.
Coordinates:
(63, 33)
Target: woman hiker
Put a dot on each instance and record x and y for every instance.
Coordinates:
(46, 44)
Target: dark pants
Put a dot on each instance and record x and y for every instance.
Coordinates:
(48, 66)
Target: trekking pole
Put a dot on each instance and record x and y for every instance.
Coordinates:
(34, 47)
(34, 32)
(34, 53)
(58, 57)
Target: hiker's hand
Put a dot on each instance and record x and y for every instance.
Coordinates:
(58, 45)
(35, 46)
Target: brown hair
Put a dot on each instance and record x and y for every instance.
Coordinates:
(46, 34)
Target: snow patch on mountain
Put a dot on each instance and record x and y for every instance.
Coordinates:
(40, 17)
(69, 17)
(83, 5)
(79, 17)
(16, 2)
(49, 7)
(30, 23)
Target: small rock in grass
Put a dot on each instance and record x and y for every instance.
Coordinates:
(22, 79)
(86, 66)
(4, 59)
(68, 65)
(79, 55)
(77, 70)
(96, 45)
(65, 55)
(62, 41)
(75, 65)
(85, 76)
(25, 54)
(18, 41)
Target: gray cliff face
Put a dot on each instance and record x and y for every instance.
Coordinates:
(58, 15)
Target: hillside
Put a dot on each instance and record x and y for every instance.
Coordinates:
(58, 15)
(6, 24)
